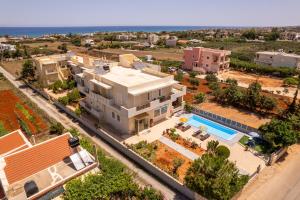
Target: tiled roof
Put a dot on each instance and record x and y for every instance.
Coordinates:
(36, 158)
(12, 142)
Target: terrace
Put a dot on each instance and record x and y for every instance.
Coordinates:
(246, 161)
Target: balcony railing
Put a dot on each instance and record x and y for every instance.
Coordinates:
(138, 108)
(164, 98)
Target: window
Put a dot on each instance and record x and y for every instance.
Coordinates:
(148, 96)
(156, 113)
(159, 92)
(206, 65)
(113, 115)
(164, 109)
(118, 117)
(207, 57)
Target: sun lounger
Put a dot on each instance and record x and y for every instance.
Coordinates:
(204, 137)
(179, 125)
(196, 133)
(185, 127)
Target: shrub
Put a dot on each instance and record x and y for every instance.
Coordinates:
(64, 100)
(57, 128)
(223, 151)
(200, 97)
(188, 108)
(211, 78)
(193, 74)
(74, 95)
(290, 81)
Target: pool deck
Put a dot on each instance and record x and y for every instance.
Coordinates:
(246, 162)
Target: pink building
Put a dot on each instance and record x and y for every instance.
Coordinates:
(205, 60)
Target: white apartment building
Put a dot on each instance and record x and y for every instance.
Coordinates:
(278, 59)
(126, 37)
(153, 38)
(130, 100)
(7, 47)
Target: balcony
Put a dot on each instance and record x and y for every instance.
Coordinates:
(164, 98)
(50, 72)
(105, 100)
(138, 108)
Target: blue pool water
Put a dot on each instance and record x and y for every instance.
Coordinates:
(212, 127)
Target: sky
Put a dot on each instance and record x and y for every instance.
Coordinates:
(149, 12)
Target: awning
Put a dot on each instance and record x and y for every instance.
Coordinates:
(141, 116)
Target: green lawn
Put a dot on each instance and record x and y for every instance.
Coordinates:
(244, 140)
(260, 148)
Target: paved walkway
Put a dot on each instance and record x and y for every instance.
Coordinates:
(187, 153)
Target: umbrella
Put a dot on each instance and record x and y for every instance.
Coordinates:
(254, 134)
(183, 119)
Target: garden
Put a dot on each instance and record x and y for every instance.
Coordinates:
(17, 114)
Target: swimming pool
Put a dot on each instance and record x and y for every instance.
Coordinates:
(212, 127)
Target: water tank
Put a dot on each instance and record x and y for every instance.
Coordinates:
(30, 188)
(73, 142)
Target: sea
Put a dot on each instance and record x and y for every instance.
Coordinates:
(40, 31)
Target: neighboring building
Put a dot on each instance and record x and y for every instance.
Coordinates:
(172, 41)
(7, 47)
(130, 100)
(3, 39)
(33, 171)
(131, 61)
(127, 60)
(52, 68)
(206, 60)
(164, 37)
(153, 38)
(89, 42)
(126, 37)
(289, 35)
(278, 59)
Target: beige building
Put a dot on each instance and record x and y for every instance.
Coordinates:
(52, 68)
(130, 100)
(278, 59)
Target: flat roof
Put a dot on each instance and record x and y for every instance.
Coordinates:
(13, 142)
(27, 162)
(152, 87)
(129, 77)
(273, 53)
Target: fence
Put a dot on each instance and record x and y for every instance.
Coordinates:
(155, 171)
(222, 120)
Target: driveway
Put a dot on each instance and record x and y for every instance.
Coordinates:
(278, 182)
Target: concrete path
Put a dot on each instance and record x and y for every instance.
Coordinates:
(143, 177)
(187, 153)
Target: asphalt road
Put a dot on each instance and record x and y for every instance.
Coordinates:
(142, 176)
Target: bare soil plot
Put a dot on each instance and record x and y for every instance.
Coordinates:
(49, 45)
(165, 157)
(244, 117)
(13, 67)
(159, 54)
(245, 78)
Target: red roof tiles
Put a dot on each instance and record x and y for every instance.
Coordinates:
(29, 161)
(12, 141)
